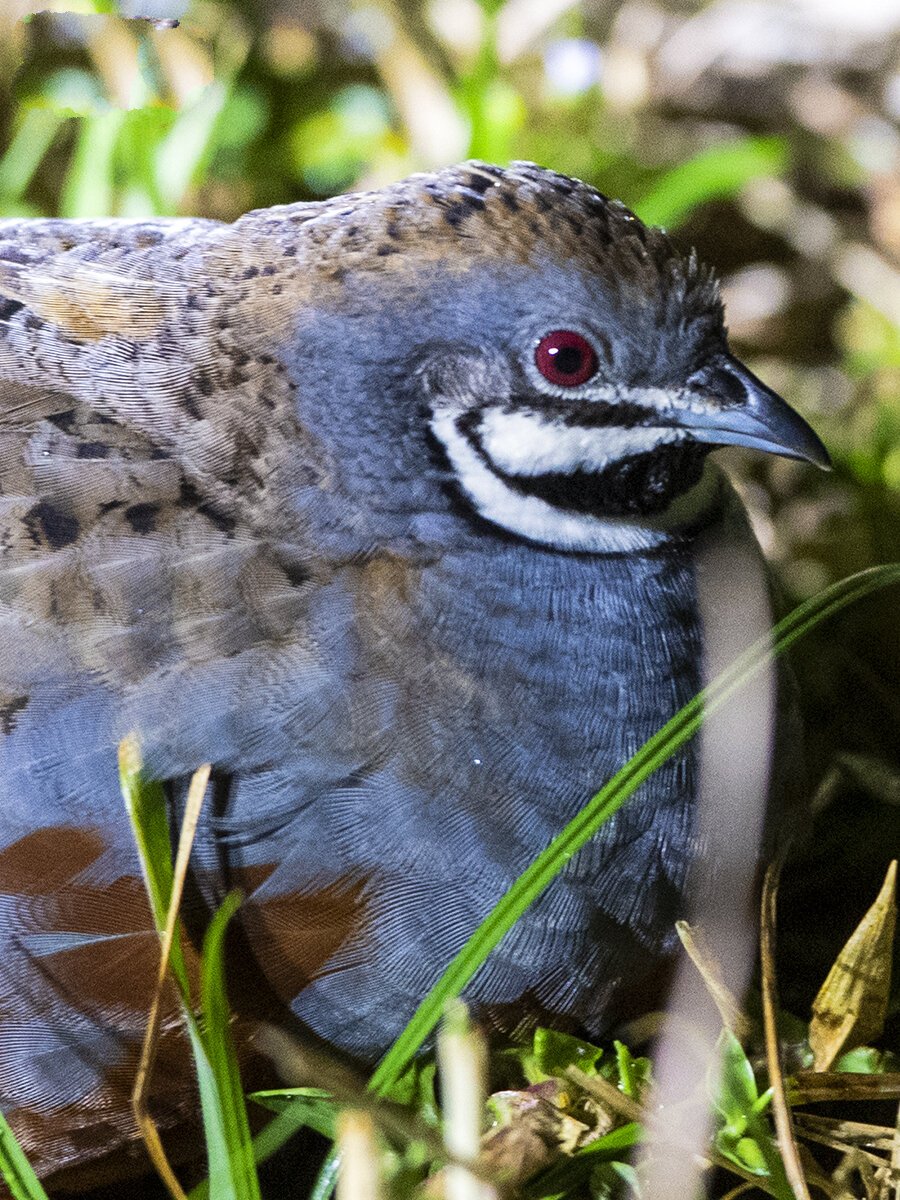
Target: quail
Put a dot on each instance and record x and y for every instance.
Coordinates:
(388, 508)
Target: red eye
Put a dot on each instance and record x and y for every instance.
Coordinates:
(565, 358)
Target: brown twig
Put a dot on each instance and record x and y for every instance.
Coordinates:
(844, 1148)
(140, 1091)
(855, 1133)
(784, 1123)
(747, 1186)
(702, 956)
(607, 1094)
(819, 1087)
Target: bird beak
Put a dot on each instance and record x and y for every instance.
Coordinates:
(751, 415)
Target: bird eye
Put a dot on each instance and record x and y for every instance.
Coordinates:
(565, 358)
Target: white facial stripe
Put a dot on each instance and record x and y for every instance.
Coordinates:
(657, 400)
(532, 518)
(524, 443)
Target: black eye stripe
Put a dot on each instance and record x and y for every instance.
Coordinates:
(589, 414)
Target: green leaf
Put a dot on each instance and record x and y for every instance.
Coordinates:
(311, 1107)
(148, 810)
(332, 147)
(575, 1170)
(712, 174)
(634, 1073)
(497, 112)
(490, 7)
(552, 1053)
(143, 133)
(34, 136)
(747, 1153)
(89, 189)
(232, 1170)
(736, 1092)
(326, 1178)
(15, 1167)
(184, 154)
(416, 1089)
(864, 1060)
(746, 1137)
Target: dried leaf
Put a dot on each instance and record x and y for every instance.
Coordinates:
(462, 1067)
(359, 1176)
(701, 955)
(851, 1005)
(534, 1133)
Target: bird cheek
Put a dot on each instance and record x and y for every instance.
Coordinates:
(460, 377)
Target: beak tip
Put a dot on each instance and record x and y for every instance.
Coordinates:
(816, 453)
(763, 421)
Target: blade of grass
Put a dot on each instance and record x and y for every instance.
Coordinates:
(660, 747)
(33, 138)
(140, 1091)
(15, 1167)
(147, 807)
(145, 802)
(239, 1177)
(711, 175)
(781, 1112)
(89, 188)
(686, 722)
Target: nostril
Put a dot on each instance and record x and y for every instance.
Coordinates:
(720, 382)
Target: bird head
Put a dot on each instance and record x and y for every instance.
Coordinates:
(515, 341)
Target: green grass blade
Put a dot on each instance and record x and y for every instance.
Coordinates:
(183, 155)
(31, 141)
(89, 188)
(273, 1136)
(232, 1169)
(221, 1096)
(686, 722)
(145, 802)
(15, 1167)
(326, 1179)
(214, 1123)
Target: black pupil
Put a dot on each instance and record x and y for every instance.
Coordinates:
(568, 360)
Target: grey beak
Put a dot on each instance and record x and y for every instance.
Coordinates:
(751, 415)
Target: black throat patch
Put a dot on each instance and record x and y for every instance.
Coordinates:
(635, 485)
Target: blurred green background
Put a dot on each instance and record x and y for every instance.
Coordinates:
(764, 133)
